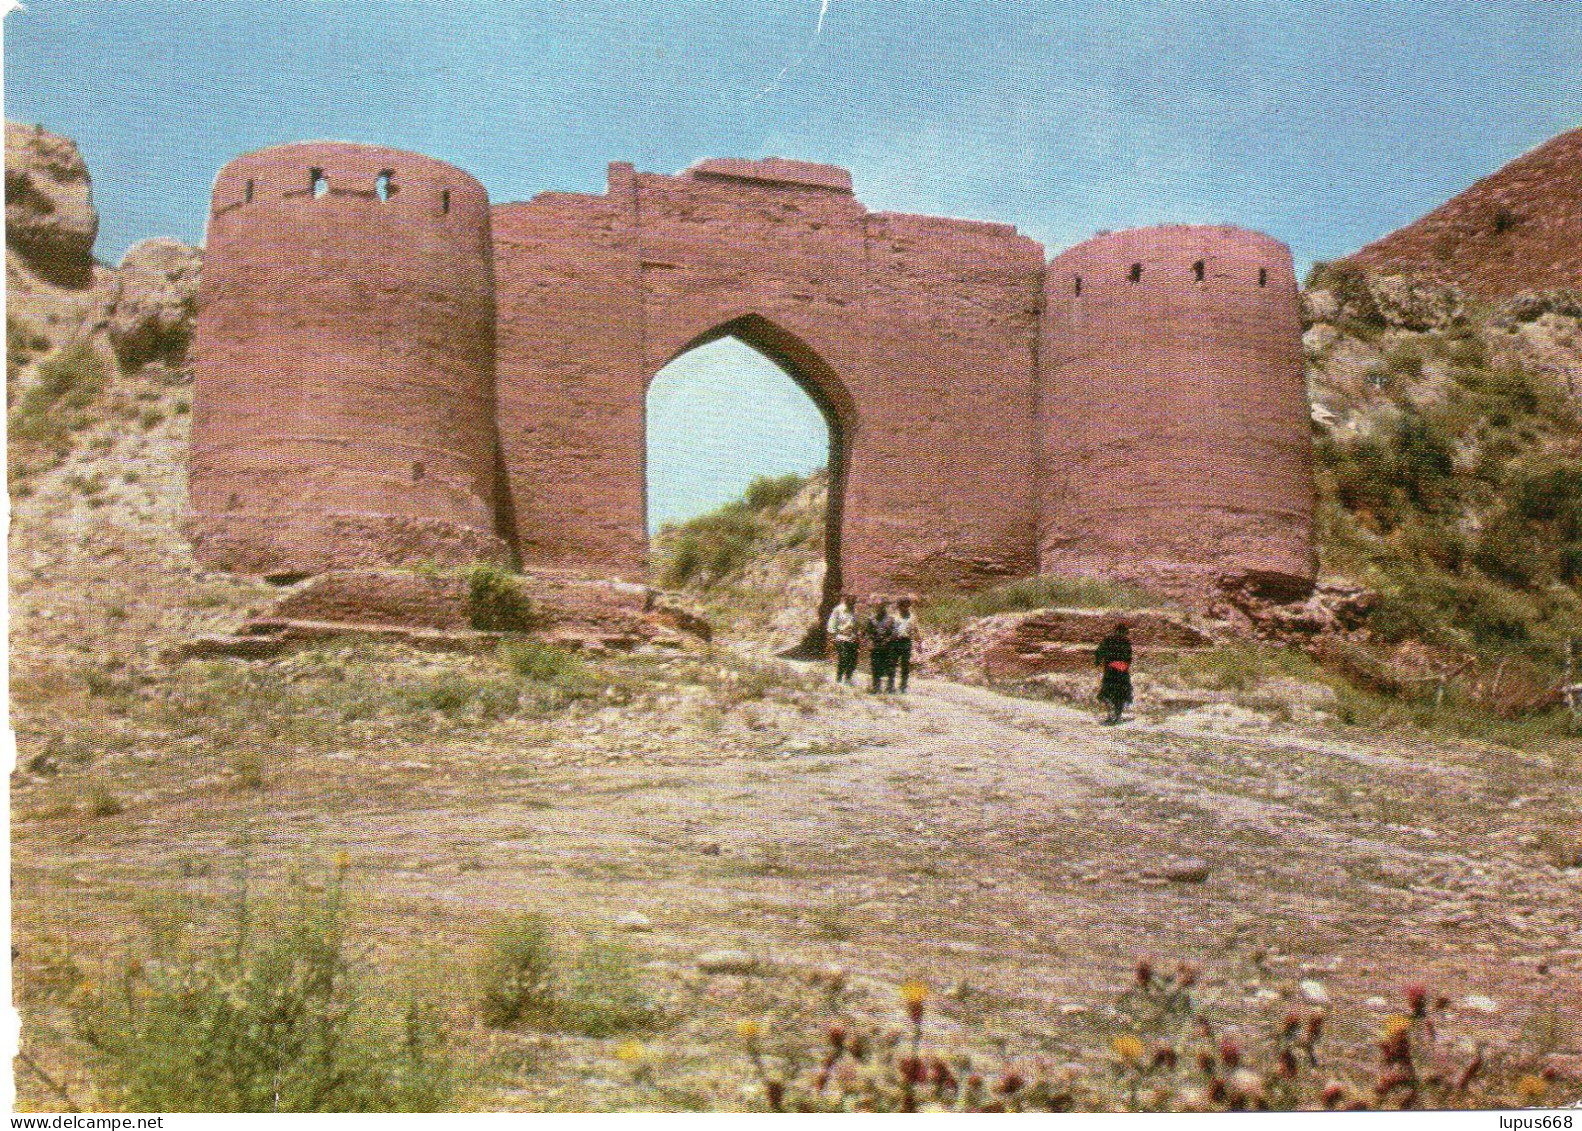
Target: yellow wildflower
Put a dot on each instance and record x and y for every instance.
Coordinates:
(749, 1031)
(343, 860)
(1128, 1048)
(1395, 1025)
(914, 994)
(629, 1051)
(1531, 1087)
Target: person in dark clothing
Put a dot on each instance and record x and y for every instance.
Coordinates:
(1114, 660)
(880, 630)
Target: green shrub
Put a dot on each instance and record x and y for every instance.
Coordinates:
(451, 693)
(602, 995)
(547, 663)
(1466, 350)
(41, 424)
(523, 984)
(516, 974)
(496, 601)
(773, 492)
(1405, 360)
(103, 803)
(707, 549)
(1360, 315)
(281, 1023)
(556, 675)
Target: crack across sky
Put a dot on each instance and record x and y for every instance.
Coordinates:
(1326, 124)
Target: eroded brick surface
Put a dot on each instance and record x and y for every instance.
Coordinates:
(1175, 443)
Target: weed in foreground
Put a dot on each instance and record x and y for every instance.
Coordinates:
(516, 973)
(1173, 1057)
(524, 983)
(281, 1022)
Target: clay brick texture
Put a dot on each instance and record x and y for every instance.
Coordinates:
(389, 370)
(1175, 446)
(1520, 228)
(344, 409)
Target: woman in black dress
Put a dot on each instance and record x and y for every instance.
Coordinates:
(1114, 658)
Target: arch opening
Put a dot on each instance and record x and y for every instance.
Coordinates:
(741, 422)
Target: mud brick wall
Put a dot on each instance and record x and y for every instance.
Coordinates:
(1518, 229)
(344, 410)
(391, 371)
(916, 337)
(1173, 418)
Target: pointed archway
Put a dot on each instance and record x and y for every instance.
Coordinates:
(823, 387)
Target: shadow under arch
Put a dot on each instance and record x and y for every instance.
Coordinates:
(824, 387)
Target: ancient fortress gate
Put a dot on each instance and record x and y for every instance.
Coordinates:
(391, 370)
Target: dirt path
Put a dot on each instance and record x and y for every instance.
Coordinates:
(1009, 851)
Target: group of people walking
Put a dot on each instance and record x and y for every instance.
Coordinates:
(890, 636)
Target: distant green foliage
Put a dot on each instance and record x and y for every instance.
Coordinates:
(281, 1022)
(770, 492)
(1360, 315)
(950, 612)
(706, 549)
(496, 601)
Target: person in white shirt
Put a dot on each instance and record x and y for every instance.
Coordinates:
(842, 631)
(905, 636)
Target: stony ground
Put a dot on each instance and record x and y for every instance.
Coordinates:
(1009, 852)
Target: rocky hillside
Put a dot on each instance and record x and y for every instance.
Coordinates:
(757, 562)
(1449, 440)
(83, 339)
(1517, 229)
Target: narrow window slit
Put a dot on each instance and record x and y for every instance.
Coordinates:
(1198, 270)
(320, 183)
(384, 186)
(1263, 276)
(1077, 288)
(417, 471)
(1136, 274)
(247, 194)
(444, 201)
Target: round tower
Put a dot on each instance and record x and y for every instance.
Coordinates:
(1174, 446)
(344, 407)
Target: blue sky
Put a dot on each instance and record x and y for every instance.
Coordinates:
(1325, 124)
